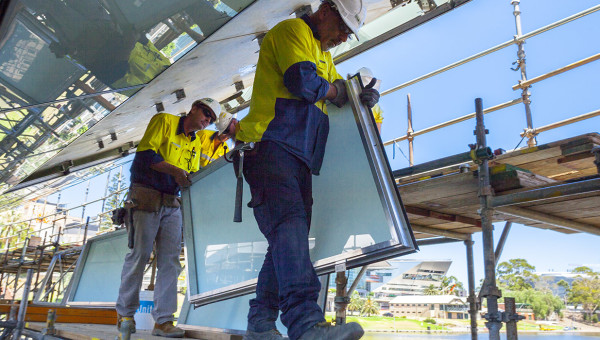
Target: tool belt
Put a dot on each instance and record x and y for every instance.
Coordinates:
(149, 199)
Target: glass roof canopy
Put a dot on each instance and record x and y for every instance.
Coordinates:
(65, 65)
(56, 49)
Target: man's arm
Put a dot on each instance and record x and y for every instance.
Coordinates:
(181, 176)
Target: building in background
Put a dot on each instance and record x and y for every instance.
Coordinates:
(430, 306)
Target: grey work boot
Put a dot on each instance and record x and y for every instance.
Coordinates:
(272, 334)
(168, 330)
(324, 331)
(126, 321)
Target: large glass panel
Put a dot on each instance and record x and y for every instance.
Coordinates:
(98, 273)
(353, 220)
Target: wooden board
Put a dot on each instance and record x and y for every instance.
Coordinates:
(101, 316)
(96, 332)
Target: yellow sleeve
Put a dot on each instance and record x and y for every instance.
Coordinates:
(292, 44)
(155, 135)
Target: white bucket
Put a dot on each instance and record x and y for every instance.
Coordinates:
(143, 318)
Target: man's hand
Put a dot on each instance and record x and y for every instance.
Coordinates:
(182, 178)
(370, 96)
(341, 97)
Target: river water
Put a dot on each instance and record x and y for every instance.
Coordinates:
(545, 336)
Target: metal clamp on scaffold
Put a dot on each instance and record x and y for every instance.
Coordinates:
(238, 155)
(479, 155)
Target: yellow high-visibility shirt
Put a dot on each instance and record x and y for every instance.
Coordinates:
(377, 113)
(162, 136)
(287, 106)
(208, 152)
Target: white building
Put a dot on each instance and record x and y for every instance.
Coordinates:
(430, 306)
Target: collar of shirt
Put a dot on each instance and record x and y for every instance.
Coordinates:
(312, 26)
(180, 129)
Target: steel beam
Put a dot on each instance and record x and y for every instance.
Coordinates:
(473, 310)
(550, 219)
(440, 232)
(489, 290)
(561, 190)
(502, 241)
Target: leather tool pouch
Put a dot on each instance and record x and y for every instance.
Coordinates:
(145, 199)
(148, 199)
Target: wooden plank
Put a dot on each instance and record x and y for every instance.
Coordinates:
(96, 332)
(208, 333)
(36, 313)
(439, 187)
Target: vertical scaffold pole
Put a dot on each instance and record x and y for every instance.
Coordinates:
(489, 290)
(521, 65)
(409, 132)
(473, 309)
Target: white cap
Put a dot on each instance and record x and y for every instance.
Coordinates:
(211, 104)
(223, 121)
(353, 12)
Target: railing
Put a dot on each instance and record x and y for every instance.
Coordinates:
(524, 84)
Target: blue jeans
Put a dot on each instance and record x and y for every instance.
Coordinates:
(281, 187)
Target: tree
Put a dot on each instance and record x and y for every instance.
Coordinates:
(585, 290)
(450, 285)
(516, 275)
(10, 230)
(356, 303)
(370, 307)
(114, 200)
(543, 303)
(431, 290)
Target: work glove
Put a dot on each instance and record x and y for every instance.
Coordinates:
(370, 96)
(342, 97)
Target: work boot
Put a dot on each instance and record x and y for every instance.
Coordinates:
(272, 334)
(128, 319)
(324, 331)
(168, 330)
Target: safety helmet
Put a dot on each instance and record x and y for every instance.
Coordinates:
(211, 104)
(367, 75)
(353, 12)
(223, 122)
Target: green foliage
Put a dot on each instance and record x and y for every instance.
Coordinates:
(516, 275)
(585, 290)
(431, 290)
(168, 50)
(7, 229)
(356, 303)
(430, 320)
(115, 199)
(450, 286)
(595, 318)
(543, 303)
(370, 307)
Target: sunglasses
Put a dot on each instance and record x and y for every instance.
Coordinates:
(208, 113)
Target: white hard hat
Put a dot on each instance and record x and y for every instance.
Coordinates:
(211, 104)
(365, 72)
(223, 122)
(367, 75)
(353, 12)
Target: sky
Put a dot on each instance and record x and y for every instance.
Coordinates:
(467, 30)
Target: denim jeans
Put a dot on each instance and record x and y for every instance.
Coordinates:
(164, 227)
(281, 187)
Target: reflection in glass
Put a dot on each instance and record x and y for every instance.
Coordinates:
(53, 49)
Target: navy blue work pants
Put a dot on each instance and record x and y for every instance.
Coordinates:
(281, 187)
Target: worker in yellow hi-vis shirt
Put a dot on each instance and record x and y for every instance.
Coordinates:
(366, 76)
(214, 143)
(288, 122)
(165, 157)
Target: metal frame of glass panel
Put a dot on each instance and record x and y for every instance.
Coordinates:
(84, 271)
(401, 240)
